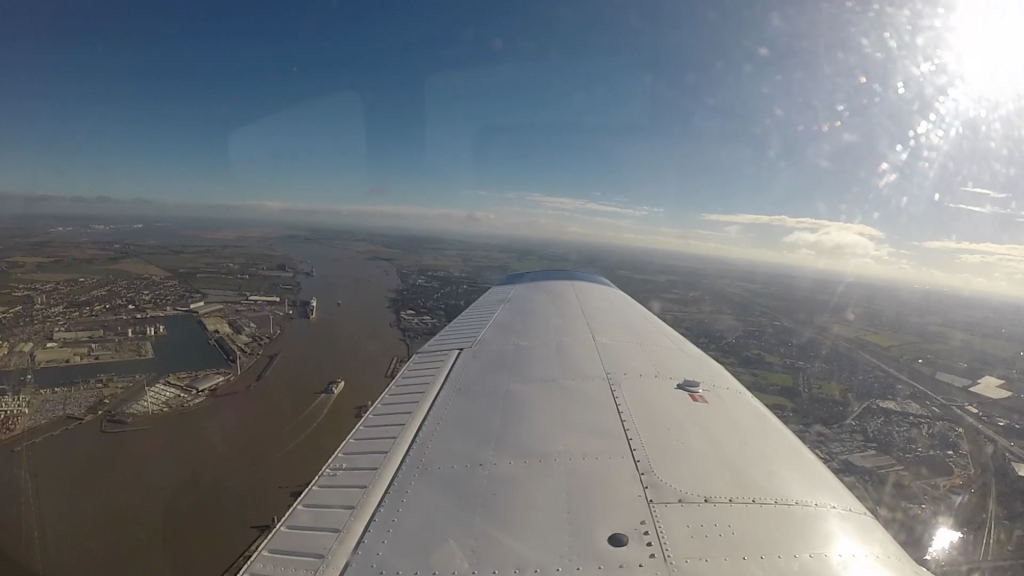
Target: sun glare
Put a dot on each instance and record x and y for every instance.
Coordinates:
(943, 539)
(987, 44)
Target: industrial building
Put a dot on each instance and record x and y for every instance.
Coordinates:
(874, 461)
(54, 356)
(1018, 468)
(67, 336)
(204, 383)
(951, 379)
(207, 308)
(216, 325)
(227, 348)
(274, 299)
(989, 386)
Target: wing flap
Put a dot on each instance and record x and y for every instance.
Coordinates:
(319, 532)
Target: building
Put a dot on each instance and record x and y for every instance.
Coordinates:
(227, 348)
(1018, 468)
(274, 299)
(874, 461)
(951, 379)
(54, 356)
(67, 336)
(204, 383)
(207, 308)
(216, 324)
(989, 386)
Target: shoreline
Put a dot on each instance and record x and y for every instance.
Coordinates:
(229, 463)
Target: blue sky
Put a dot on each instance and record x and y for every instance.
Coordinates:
(827, 133)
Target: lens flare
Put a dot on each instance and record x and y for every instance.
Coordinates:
(986, 44)
(943, 539)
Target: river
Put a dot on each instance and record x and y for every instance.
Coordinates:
(188, 494)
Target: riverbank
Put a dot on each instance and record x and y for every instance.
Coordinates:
(187, 494)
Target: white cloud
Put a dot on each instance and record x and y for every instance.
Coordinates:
(971, 208)
(835, 241)
(800, 223)
(991, 193)
(1015, 250)
(1006, 257)
(1001, 260)
(698, 231)
(570, 204)
(987, 209)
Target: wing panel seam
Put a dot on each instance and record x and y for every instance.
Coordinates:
(625, 430)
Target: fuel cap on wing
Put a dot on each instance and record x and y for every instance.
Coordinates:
(691, 386)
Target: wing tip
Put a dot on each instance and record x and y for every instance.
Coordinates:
(554, 275)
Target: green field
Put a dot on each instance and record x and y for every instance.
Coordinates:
(885, 339)
(962, 339)
(777, 378)
(847, 331)
(832, 389)
(772, 400)
(770, 357)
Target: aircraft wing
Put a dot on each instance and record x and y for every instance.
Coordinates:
(546, 430)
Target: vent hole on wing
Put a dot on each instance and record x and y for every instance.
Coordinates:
(618, 540)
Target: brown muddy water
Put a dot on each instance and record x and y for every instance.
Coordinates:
(188, 495)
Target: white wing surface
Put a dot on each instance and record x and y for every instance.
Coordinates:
(545, 431)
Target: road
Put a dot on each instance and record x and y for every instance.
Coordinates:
(971, 567)
(990, 515)
(988, 534)
(985, 430)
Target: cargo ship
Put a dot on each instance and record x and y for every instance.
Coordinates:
(311, 309)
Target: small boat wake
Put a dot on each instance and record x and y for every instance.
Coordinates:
(322, 406)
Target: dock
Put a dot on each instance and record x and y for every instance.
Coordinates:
(269, 366)
(393, 367)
